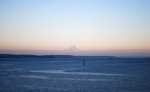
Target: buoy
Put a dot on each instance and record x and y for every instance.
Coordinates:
(83, 62)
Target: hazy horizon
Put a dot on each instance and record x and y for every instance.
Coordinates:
(76, 27)
(76, 52)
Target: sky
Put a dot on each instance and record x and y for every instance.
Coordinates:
(75, 26)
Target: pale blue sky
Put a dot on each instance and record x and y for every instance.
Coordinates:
(88, 24)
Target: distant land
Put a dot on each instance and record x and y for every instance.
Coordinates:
(48, 56)
(34, 56)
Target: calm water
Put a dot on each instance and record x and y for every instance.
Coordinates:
(70, 75)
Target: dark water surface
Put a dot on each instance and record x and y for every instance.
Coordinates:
(70, 75)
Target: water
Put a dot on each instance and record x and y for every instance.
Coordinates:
(70, 75)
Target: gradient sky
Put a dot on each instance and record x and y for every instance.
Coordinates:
(87, 24)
